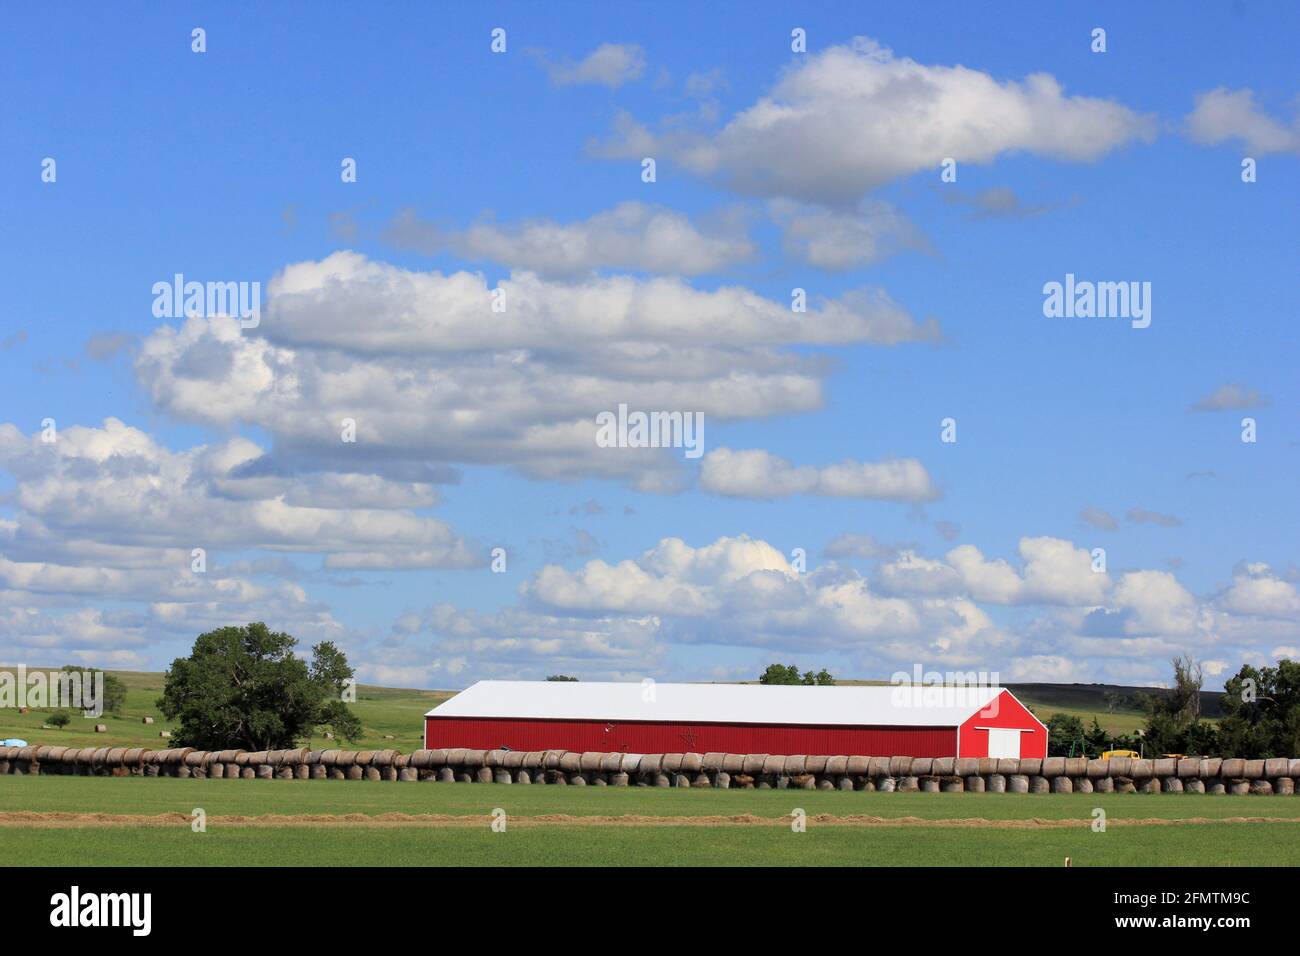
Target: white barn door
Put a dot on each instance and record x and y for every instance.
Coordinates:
(1004, 743)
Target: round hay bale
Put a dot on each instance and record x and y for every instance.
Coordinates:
(1141, 770)
(782, 782)
(1215, 787)
(598, 779)
(662, 780)
(408, 775)
(886, 784)
(475, 758)
(774, 765)
(857, 766)
(650, 763)
(502, 775)
(611, 763)
(1120, 766)
(837, 766)
(1164, 767)
(995, 783)
(1098, 769)
(900, 766)
(255, 759)
(1081, 784)
(463, 776)
(681, 780)
(794, 765)
(844, 783)
(232, 771)
(1039, 784)
(943, 766)
(1283, 786)
(318, 771)
(1123, 784)
(762, 783)
(196, 758)
(284, 771)
(355, 772)
(878, 767)
(1150, 785)
(1275, 767)
(534, 760)
(483, 775)
(1103, 785)
(446, 775)
(952, 784)
(1261, 788)
(363, 758)
(571, 762)
(987, 765)
(701, 781)
(345, 759)
(1171, 785)
(134, 757)
(754, 764)
(1062, 785)
(1254, 770)
(1194, 785)
(1009, 766)
(577, 780)
(1209, 767)
(712, 762)
(336, 773)
(929, 784)
(264, 771)
(1293, 767)
(921, 766)
(492, 759)
(216, 771)
(1231, 768)
(523, 776)
(630, 764)
(722, 780)
(804, 781)
(1033, 766)
(864, 784)
(907, 784)
(733, 763)
(618, 779)
(384, 758)
(302, 771)
(1189, 767)
(966, 767)
(590, 760)
(825, 783)
(551, 759)
(1076, 766)
(692, 763)
(815, 763)
(672, 763)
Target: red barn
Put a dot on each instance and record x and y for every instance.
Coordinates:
(888, 721)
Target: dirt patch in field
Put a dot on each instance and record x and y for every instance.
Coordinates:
(35, 820)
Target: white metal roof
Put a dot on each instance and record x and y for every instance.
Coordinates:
(917, 706)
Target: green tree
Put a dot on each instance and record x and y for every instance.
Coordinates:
(789, 674)
(1261, 712)
(59, 719)
(1063, 731)
(243, 687)
(114, 689)
(1174, 723)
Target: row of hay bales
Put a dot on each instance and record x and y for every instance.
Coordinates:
(762, 771)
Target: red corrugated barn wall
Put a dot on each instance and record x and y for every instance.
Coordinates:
(491, 733)
(1004, 711)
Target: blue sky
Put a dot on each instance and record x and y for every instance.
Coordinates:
(774, 170)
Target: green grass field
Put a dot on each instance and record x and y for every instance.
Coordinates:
(1207, 844)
